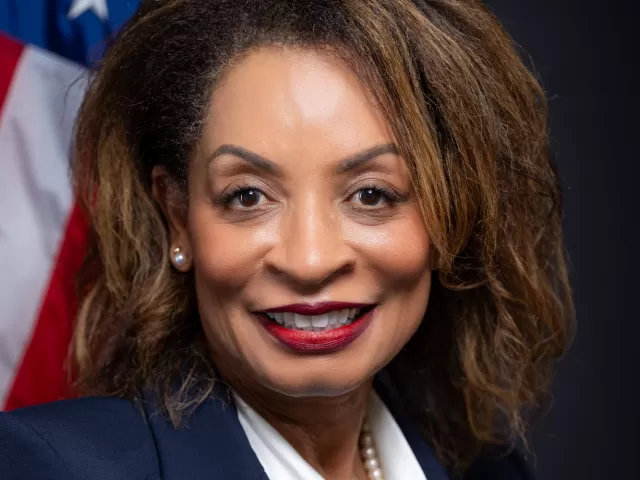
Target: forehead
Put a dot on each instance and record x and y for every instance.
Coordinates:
(288, 101)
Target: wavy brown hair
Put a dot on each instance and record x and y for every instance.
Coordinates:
(470, 121)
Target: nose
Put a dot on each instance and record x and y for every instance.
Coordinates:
(312, 250)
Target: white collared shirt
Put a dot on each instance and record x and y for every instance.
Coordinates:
(282, 462)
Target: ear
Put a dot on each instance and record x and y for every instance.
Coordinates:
(174, 207)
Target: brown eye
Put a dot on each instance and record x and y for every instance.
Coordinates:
(370, 197)
(249, 198)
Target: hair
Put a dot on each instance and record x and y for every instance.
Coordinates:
(470, 122)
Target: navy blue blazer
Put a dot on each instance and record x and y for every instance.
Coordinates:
(104, 438)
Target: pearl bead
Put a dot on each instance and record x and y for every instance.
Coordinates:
(371, 464)
(366, 441)
(179, 259)
(368, 452)
(376, 474)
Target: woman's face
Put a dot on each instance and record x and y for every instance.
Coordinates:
(310, 254)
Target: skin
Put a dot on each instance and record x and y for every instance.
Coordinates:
(308, 231)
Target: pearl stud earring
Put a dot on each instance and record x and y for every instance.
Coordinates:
(179, 258)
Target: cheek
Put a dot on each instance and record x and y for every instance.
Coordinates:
(226, 255)
(398, 251)
(397, 256)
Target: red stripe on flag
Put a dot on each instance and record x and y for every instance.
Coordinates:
(42, 375)
(10, 52)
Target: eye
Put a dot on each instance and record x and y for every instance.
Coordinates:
(245, 197)
(249, 198)
(370, 197)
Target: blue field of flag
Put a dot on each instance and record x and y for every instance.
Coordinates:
(75, 29)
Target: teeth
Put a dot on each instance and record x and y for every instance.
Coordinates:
(288, 320)
(302, 321)
(315, 323)
(320, 322)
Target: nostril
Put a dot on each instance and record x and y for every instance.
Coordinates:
(309, 267)
(307, 278)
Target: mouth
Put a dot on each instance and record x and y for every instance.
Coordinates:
(317, 328)
(319, 322)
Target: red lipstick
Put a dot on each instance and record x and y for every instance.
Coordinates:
(324, 341)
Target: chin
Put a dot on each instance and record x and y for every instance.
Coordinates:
(312, 384)
(317, 390)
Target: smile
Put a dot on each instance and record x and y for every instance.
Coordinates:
(317, 328)
(315, 323)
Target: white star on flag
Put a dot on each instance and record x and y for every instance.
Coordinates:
(99, 7)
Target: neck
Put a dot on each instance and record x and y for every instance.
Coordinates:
(324, 430)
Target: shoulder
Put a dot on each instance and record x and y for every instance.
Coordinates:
(489, 466)
(511, 466)
(98, 438)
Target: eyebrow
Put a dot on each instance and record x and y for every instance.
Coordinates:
(350, 163)
(251, 157)
(354, 161)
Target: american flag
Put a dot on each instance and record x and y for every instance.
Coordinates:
(45, 48)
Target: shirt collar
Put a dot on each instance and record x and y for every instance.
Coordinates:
(213, 443)
(281, 461)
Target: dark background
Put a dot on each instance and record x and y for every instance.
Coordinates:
(586, 54)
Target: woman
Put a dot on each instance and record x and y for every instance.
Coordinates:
(326, 244)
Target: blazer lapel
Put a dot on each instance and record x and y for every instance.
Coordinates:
(431, 467)
(430, 464)
(212, 444)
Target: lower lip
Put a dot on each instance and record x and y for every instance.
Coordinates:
(318, 342)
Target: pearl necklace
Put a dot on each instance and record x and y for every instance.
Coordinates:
(368, 453)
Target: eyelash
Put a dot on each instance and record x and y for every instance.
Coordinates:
(390, 196)
(227, 197)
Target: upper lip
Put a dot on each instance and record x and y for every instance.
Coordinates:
(316, 308)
